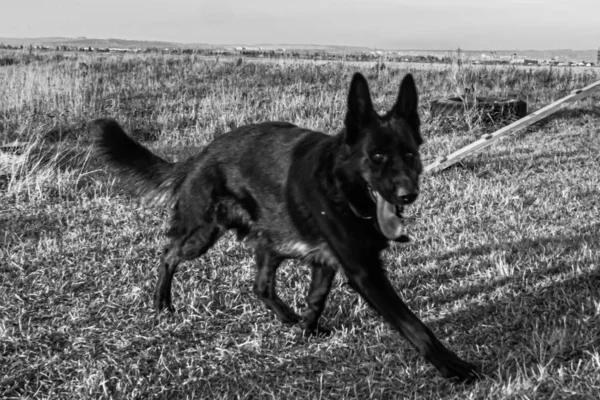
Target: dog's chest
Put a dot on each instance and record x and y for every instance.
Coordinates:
(314, 253)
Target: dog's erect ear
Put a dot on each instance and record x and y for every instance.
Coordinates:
(407, 105)
(408, 100)
(360, 108)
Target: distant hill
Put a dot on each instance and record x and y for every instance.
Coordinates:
(142, 44)
(98, 43)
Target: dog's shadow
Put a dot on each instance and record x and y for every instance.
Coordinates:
(536, 315)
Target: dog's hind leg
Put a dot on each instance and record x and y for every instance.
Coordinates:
(169, 261)
(190, 247)
(264, 286)
(320, 285)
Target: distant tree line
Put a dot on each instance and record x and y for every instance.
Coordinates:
(377, 56)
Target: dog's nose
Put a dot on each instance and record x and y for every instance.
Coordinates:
(409, 198)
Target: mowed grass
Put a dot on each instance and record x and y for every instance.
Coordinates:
(504, 264)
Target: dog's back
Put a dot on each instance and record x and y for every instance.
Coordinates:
(259, 153)
(238, 181)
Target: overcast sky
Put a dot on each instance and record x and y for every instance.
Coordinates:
(415, 24)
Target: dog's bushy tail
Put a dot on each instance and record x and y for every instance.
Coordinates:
(151, 176)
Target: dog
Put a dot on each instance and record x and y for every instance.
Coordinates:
(334, 201)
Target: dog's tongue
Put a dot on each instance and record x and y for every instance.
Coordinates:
(389, 223)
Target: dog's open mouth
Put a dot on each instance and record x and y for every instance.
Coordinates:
(389, 217)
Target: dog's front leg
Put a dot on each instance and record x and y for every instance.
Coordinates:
(264, 286)
(320, 285)
(373, 285)
(359, 258)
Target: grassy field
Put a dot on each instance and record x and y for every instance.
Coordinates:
(504, 264)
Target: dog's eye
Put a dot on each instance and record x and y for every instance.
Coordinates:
(410, 157)
(378, 158)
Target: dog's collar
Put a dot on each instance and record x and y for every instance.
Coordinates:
(356, 212)
(359, 215)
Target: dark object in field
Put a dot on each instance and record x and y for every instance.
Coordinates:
(490, 109)
(333, 201)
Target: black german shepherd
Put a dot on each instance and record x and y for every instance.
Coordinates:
(333, 201)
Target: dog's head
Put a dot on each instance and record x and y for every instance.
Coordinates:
(381, 166)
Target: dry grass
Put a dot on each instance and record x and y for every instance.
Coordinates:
(504, 265)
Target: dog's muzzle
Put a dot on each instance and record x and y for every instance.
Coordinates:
(389, 216)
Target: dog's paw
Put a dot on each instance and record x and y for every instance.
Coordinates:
(161, 304)
(288, 317)
(460, 371)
